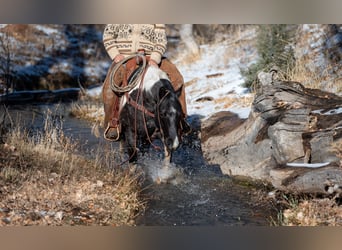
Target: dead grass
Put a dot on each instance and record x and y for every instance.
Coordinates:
(44, 181)
(313, 212)
(89, 109)
(327, 79)
(23, 32)
(228, 101)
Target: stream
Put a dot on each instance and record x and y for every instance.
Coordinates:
(197, 195)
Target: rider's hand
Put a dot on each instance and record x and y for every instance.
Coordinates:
(152, 62)
(118, 58)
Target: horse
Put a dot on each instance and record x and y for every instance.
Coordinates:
(151, 109)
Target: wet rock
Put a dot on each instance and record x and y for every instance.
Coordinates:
(34, 216)
(6, 220)
(220, 123)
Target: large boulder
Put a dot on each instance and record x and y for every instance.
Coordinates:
(288, 139)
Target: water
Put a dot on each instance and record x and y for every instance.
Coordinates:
(188, 192)
(199, 194)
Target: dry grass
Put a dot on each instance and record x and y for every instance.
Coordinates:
(228, 101)
(43, 181)
(327, 79)
(311, 212)
(89, 109)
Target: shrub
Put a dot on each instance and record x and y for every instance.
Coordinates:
(274, 49)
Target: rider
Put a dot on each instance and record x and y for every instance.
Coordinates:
(124, 40)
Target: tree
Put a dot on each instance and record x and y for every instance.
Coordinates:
(186, 34)
(6, 61)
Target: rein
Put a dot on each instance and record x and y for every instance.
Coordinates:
(138, 106)
(142, 108)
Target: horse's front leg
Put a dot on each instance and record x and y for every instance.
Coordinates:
(131, 147)
(167, 156)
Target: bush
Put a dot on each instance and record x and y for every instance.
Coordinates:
(274, 49)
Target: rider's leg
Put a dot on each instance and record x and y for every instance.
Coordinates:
(111, 110)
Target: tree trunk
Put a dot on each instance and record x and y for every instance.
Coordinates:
(186, 34)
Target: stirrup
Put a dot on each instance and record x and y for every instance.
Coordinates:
(117, 132)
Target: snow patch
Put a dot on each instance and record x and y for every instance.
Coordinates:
(46, 30)
(307, 165)
(215, 76)
(329, 112)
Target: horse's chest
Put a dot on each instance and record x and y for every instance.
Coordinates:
(138, 117)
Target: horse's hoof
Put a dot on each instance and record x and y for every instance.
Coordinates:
(158, 181)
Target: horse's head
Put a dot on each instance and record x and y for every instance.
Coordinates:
(168, 117)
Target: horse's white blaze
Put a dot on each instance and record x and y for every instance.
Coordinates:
(176, 140)
(175, 143)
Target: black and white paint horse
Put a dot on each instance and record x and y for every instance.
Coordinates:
(151, 108)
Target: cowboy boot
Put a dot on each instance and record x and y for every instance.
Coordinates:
(186, 129)
(112, 116)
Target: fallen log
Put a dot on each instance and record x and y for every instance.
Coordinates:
(40, 96)
(288, 139)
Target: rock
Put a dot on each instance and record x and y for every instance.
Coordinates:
(219, 123)
(286, 140)
(59, 215)
(99, 184)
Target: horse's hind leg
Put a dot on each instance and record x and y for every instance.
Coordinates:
(132, 154)
(131, 148)
(127, 145)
